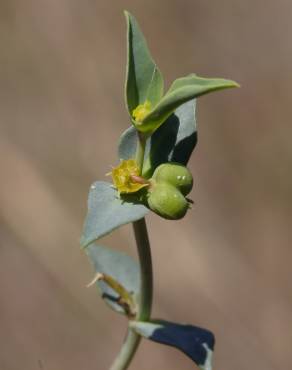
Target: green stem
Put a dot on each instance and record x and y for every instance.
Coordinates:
(144, 251)
(127, 351)
(140, 152)
(132, 339)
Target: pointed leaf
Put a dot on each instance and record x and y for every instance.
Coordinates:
(144, 80)
(107, 212)
(181, 91)
(174, 141)
(195, 342)
(121, 267)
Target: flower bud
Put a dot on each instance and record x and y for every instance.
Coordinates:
(175, 174)
(167, 201)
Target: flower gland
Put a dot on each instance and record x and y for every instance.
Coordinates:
(175, 174)
(141, 111)
(167, 201)
(126, 177)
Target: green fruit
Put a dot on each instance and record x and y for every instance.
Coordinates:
(175, 174)
(167, 201)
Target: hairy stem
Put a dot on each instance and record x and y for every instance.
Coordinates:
(132, 339)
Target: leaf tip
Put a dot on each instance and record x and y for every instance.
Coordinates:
(126, 14)
(226, 84)
(234, 84)
(129, 16)
(97, 276)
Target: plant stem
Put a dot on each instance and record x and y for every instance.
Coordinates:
(140, 152)
(127, 351)
(132, 339)
(144, 251)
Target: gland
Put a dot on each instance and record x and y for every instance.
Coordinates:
(175, 174)
(167, 201)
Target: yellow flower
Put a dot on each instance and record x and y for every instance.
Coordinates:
(141, 111)
(126, 177)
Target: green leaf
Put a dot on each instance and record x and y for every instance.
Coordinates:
(174, 141)
(143, 80)
(107, 212)
(195, 342)
(118, 265)
(181, 91)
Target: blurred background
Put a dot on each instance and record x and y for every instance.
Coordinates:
(227, 265)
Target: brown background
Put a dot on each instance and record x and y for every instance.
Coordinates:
(227, 265)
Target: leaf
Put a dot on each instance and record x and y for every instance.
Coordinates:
(195, 342)
(143, 80)
(181, 91)
(118, 265)
(107, 212)
(174, 141)
(128, 144)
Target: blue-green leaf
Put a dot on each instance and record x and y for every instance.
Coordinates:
(107, 212)
(143, 80)
(128, 144)
(195, 342)
(181, 91)
(174, 141)
(118, 265)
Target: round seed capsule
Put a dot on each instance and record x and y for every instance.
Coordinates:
(167, 201)
(175, 174)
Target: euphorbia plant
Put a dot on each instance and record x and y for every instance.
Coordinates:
(151, 176)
